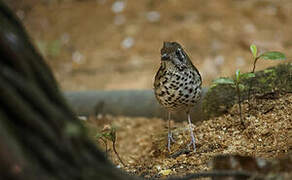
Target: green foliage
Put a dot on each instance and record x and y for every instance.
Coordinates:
(254, 50)
(223, 81)
(109, 134)
(269, 70)
(238, 86)
(272, 55)
(248, 75)
(238, 76)
(236, 82)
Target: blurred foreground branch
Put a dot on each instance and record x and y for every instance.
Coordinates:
(40, 137)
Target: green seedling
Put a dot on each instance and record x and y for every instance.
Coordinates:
(109, 134)
(238, 86)
(237, 83)
(102, 137)
(270, 55)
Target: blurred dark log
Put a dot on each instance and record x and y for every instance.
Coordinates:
(215, 101)
(126, 103)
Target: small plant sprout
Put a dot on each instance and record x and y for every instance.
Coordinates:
(238, 86)
(270, 55)
(109, 134)
(101, 136)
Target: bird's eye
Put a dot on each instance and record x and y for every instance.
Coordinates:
(180, 55)
(164, 56)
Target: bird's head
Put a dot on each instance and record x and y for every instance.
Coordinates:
(173, 56)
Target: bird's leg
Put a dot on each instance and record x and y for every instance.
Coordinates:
(169, 136)
(193, 141)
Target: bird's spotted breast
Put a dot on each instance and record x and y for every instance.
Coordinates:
(178, 90)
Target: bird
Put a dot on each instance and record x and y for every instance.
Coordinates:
(177, 85)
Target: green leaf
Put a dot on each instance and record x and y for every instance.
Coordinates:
(223, 81)
(241, 87)
(113, 134)
(238, 75)
(248, 75)
(273, 55)
(254, 50)
(269, 70)
(110, 135)
(98, 135)
(107, 135)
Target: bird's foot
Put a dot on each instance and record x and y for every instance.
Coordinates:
(169, 140)
(193, 142)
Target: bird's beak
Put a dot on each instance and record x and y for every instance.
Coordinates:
(164, 57)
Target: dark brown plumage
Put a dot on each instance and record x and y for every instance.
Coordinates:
(177, 84)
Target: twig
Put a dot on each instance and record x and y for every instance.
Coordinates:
(105, 143)
(250, 84)
(114, 148)
(183, 151)
(254, 64)
(239, 105)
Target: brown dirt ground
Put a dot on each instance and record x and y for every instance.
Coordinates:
(141, 142)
